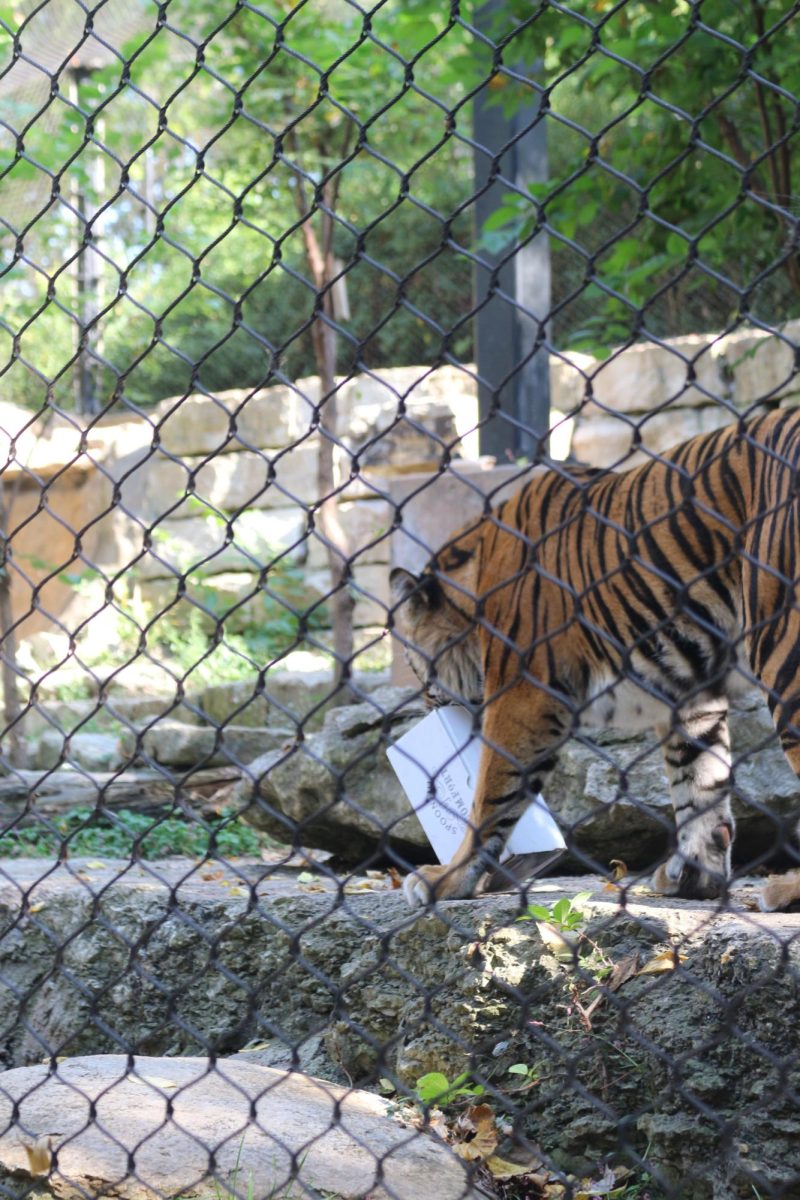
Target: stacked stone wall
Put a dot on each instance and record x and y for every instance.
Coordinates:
(208, 489)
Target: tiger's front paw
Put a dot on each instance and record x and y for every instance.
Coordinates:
(428, 884)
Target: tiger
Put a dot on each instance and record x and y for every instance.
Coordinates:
(646, 599)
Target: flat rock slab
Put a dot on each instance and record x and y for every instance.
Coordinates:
(187, 1127)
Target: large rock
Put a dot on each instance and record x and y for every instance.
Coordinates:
(612, 798)
(297, 696)
(191, 1127)
(336, 789)
(92, 751)
(174, 744)
(692, 1068)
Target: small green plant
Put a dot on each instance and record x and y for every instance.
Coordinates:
(436, 1088)
(565, 915)
(527, 1076)
(73, 688)
(85, 831)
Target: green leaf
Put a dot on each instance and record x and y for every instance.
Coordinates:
(677, 246)
(537, 912)
(432, 1086)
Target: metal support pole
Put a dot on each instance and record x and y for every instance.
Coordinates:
(514, 386)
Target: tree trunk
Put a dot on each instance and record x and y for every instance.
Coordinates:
(8, 647)
(319, 253)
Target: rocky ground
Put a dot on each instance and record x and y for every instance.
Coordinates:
(650, 1029)
(656, 1033)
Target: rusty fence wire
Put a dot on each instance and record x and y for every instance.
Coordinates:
(399, 413)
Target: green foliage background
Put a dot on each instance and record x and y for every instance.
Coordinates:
(195, 145)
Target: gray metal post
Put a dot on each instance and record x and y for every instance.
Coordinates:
(514, 387)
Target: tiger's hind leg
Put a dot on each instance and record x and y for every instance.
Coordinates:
(772, 618)
(698, 762)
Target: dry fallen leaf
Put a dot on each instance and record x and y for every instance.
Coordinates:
(589, 1188)
(437, 1123)
(619, 869)
(39, 1154)
(211, 875)
(94, 864)
(396, 877)
(501, 1168)
(34, 908)
(623, 970)
(668, 960)
(475, 1133)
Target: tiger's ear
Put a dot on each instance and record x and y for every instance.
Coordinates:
(421, 591)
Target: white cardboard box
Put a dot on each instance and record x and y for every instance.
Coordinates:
(437, 765)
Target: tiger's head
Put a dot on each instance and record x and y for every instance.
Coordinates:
(435, 617)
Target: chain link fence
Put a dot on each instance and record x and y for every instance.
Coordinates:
(399, 414)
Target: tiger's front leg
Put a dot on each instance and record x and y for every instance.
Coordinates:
(522, 731)
(698, 762)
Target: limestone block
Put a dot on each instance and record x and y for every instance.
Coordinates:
(211, 425)
(370, 588)
(140, 676)
(373, 598)
(141, 709)
(743, 367)
(47, 648)
(227, 482)
(438, 407)
(201, 545)
(285, 699)
(297, 694)
(370, 398)
(92, 751)
(240, 702)
(364, 522)
(174, 744)
(432, 507)
(607, 441)
(762, 365)
(642, 377)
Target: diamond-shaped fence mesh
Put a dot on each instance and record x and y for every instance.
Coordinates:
(401, 463)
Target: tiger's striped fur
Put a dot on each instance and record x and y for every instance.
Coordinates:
(647, 598)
